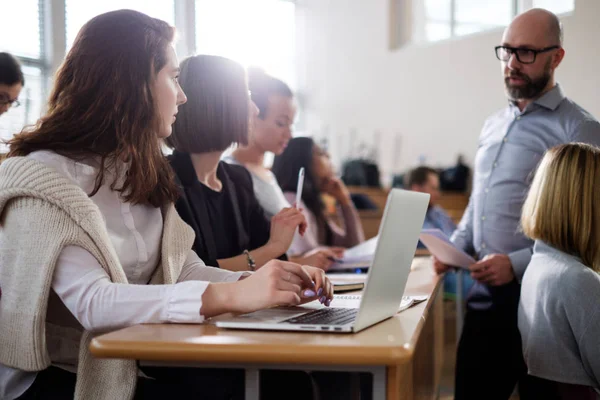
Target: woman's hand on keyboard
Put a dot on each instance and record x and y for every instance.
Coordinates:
(275, 283)
(323, 286)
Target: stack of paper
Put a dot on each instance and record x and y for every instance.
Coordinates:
(444, 250)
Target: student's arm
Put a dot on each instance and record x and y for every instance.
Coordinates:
(352, 233)
(99, 304)
(281, 232)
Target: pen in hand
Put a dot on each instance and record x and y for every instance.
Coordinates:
(299, 187)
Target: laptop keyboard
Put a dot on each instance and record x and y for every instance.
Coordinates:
(325, 316)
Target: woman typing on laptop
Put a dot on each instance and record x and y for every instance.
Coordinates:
(88, 223)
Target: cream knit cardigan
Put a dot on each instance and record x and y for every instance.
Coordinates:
(41, 212)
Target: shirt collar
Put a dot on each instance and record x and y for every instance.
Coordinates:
(550, 100)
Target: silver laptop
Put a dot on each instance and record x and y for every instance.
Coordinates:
(398, 236)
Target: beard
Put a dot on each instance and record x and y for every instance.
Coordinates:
(532, 87)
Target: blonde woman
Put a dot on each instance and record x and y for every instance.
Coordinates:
(559, 314)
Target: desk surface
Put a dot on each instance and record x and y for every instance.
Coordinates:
(391, 342)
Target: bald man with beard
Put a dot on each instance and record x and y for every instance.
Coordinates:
(513, 140)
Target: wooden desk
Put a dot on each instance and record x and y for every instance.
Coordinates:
(404, 352)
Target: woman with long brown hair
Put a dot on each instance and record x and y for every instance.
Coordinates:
(88, 222)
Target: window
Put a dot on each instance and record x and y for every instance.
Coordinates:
(444, 19)
(79, 12)
(31, 99)
(556, 6)
(472, 16)
(20, 34)
(259, 33)
(27, 47)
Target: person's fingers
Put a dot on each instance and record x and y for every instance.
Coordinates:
(480, 265)
(483, 274)
(329, 254)
(302, 228)
(291, 278)
(282, 284)
(338, 251)
(297, 270)
(330, 288)
(325, 261)
(285, 298)
(318, 277)
(296, 220)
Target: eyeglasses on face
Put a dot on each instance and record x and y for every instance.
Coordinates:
(524, 55)
(4, 100)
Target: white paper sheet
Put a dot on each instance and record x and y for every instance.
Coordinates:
(444, 250)
(358, 256)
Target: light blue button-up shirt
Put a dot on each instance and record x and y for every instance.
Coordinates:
(437, 218)
(510, 147)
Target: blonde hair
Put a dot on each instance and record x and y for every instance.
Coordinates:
(563, 204)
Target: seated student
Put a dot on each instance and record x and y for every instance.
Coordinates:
(11, 82)
(427, 180)
(318, 179)
(271, 132)
(559, 317)
(90, 239)
(217, 198)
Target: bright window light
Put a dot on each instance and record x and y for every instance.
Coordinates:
(259, 33)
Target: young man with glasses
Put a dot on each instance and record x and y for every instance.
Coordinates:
(11, 82)
(489, 361)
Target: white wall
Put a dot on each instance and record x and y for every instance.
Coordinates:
(428, 99)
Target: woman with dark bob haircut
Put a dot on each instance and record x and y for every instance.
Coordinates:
(217, 198)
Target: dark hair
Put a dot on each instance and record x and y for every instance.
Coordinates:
(10, 70)
(418, 176)
(299, 153)
(216, 114)
(262, 86)
(102, 105)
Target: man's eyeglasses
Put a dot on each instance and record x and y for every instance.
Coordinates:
(523, 54)
(11, 103)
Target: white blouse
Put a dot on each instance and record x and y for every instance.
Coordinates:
(268, 193)
(85, 288)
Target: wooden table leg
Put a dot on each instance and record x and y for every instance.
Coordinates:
(400, 382)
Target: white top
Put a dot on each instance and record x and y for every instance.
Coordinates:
(85, 287)
(268, 193)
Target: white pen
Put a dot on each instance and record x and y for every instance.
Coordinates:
(299, 188)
